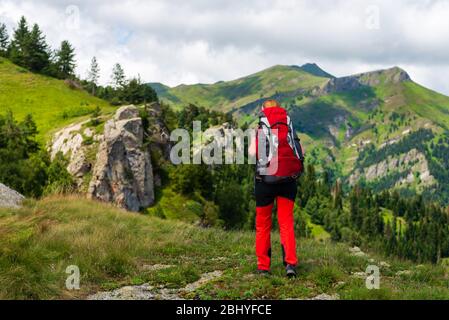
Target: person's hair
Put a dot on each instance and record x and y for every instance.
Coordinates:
(270, 104)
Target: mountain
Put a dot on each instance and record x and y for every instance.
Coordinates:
(232, 95)
(314, 69)
(53, 103)
(377, 128)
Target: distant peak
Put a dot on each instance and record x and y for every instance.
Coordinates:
(315, 70)
(391, 75)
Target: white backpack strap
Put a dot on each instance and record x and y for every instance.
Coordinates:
(292, 137)
(266, 129)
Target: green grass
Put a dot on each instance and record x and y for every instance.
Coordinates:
(53, 103)
(174, 206)
(110, 246)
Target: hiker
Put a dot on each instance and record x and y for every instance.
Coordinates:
(279, 157)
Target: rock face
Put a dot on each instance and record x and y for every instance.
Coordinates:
(9, 198)
(123, 172)
(370, 79)
(410, 162)
(158, 133)
(70, 142)
(114, 165)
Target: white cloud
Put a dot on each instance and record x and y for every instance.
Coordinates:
(205, 41)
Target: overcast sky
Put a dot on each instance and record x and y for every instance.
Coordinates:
(182, 41)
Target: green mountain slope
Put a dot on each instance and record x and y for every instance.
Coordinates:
(53, 103)
(113, 249)
(231, 95)
(342, 120)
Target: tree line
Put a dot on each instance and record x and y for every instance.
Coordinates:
(28, 48)
(407, 227)
(120, 90)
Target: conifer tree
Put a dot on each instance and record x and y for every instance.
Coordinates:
(94, 74)
(39, 57)
(118, 76)
(65, 60)
(4, 40)
(18, 50)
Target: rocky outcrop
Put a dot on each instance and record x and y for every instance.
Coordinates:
(114, 164)
(369, 79)
(340, 85)
(158, 133)
(70, 141)
(9, 198)
(412, 162)
(123, 172)
(388, 76)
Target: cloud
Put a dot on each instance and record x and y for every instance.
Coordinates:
(206, 41)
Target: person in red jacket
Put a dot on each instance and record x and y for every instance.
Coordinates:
(285, 158)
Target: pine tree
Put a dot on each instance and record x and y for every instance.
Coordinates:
(338, 197)
(65, 60)
(4, 40)
(19, 47)
(94, 74)
(118, 76)
(39, 57)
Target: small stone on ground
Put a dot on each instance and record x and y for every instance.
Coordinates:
(156, 267)
(147, 292)
(325, 296)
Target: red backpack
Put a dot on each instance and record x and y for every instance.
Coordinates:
(283, 159)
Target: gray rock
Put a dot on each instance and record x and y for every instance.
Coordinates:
(156, 267)
(10, 198)
(411, 162)
(158, 133)
(325, 296)
(126, 112)
(143, 292)
(354, 249)
(360, 274)
(69, 141)
(123, 172)
(147, 292)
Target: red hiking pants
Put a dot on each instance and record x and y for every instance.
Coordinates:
(285, 195)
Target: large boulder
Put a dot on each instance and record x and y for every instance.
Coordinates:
(9, 198)
(123, 172)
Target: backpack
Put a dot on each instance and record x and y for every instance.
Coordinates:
(283, 159)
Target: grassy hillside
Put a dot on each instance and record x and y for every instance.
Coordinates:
(226, 96)
(53, 103)
(114, 248)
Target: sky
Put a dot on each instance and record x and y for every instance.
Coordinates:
(204, 41)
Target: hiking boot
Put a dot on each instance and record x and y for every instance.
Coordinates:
(290, 271)
(262, 272)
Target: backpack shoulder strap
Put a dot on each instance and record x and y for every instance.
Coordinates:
(294, 141)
